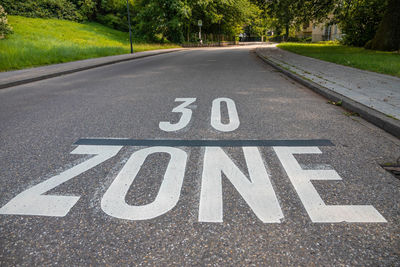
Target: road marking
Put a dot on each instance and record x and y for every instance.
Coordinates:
(185, 118)
(201, 143)
(113, 202)
(33, 201)
(216, 115)
(258, 193)
(314, 205)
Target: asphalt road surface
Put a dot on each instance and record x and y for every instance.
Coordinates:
(199, 157)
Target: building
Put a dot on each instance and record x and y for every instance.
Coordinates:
(305, 32)
(320, 32)
(323, 32)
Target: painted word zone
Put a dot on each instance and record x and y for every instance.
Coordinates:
(256, 190)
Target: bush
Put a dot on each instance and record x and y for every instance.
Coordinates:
(114, 21)
(282, 38)
(60, 9)
(360, 21)
(306, 39)
(332, 42)
(5, 28)
(87, 8)
(113, 14)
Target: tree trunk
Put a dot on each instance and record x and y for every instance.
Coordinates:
(188, 33)
(387, 37)
(287, 31)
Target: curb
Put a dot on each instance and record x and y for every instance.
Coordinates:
(73, 70)
(377, 118)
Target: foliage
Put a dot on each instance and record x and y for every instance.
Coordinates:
(257, 22)
(113, 13)
(382, 62)
(284, 11)
(282, 38)
(176, 20)
(387, 37)
(160, 20)
(292, 13)
(87, 8)
(113, 21)
(5, 28)
(38, 42)
(61, 9)
(359, 19)
(152, 20)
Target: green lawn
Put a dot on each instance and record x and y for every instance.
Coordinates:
(37, 42)
(382, 62)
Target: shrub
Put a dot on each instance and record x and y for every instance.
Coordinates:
(113, 14)
(360, 19)
(115, 21)
(5, 28)
(306, 39)
(60, 9)
(332, 42)
(282, 38)
(87, 9)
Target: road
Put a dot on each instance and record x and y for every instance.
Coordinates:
(261, 170)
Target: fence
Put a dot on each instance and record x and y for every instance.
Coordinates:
(250, 39)
(210, 44)
(209, 38)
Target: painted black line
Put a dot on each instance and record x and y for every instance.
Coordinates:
(201, 143)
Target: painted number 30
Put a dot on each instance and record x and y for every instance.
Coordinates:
(216, 120)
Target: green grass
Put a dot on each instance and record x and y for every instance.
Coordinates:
(38, 42)
(378, 61)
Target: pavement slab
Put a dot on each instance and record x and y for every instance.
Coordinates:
(377, 91)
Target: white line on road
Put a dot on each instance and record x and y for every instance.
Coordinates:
(318, 211)
(216, 122)
(258, 193)
(33, 202)
(185, 118)
(113, 202)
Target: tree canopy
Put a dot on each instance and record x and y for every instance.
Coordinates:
(176, 20)
(387, 37)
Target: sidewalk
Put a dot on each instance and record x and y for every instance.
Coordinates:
(377, 92)
(13, 78)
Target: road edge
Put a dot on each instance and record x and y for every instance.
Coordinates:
(377, 118)
(73, 70)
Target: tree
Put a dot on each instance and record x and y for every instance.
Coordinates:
(291, 13)
(284, 11)
(387, 37)
(359, 19)
(224, 16)
(153, 20)
(112, 13)
(173, 19)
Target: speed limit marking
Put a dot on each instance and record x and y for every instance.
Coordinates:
(257, 191)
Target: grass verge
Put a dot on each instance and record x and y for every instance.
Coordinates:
(377, 61)
(38, 42)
